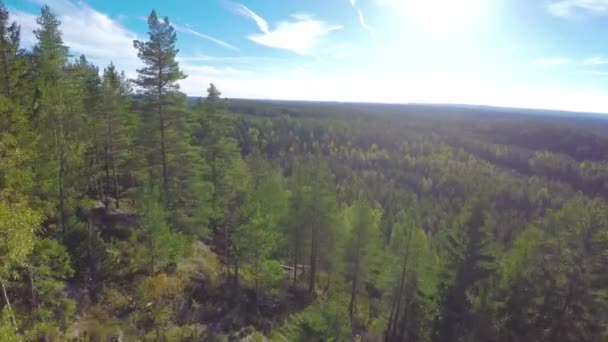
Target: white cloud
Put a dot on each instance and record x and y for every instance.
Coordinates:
(596, 60)
(246, 12)
(568, 8)
(553, 61)
(104, 40)
(27, 21)
(362, 21)
(86, 31)
(188, 30)
(301, 34)
(235, 59)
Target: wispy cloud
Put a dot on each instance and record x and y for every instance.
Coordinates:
(94, 34)
(300, 34)
(86, 31)
(596, 60)
(553, 61)
(188, 30)
(569, 8)
(235, 59)
(246, 12)
(362, 21)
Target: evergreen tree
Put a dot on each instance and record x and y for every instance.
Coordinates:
(9, 47)
(118, 132)
(472, 262)
(363, 222)
(265, 209)
(158, 81)
(47, 270)
(214, 100)
(59, 120)
(163, 247)
(313, 217)
(412, 280)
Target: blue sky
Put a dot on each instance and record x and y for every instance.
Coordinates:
(523, 53)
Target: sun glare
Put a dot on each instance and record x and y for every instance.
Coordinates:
(442, 17)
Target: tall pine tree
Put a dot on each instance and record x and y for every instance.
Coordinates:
(158, 81)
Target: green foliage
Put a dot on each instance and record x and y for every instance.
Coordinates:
(158, 53)
(163, 247)
(17, 228)
(47, 270)
(324, 321)
(362, 247)
(313, 227)
(561, 275)
(263, 212)
(412, 280)
(469, 264)
(7, 331)
(158, 297)
(158, 82)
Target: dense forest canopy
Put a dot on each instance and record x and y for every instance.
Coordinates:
(131, 212)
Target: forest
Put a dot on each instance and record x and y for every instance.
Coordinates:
(131, 212)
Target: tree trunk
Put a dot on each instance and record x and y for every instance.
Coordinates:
(257, 285)
(296, 258)
(152, 252)
(163, 147)
(328, 284)
(116, 184)
(313, 262)
(62, 214)
(91, 262)
(353, 291)
(163, 152)
(100, 182)
(403, 322)
(107, 158)
(295, 272)
(394, 320)
(7, 85)
(60, 143)
(8, 305)
(237, 289)
(227, 250)
(32, 288)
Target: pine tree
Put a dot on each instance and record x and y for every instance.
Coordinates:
(313, 216)
(59, 120)
(158, 81)
(118, 132)
(47, 270)
(9, 46)
(18, 220)
(214, 100)
(163, 247)
(265, 209)
(472, 263)
(412, 272)
(363, 222)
